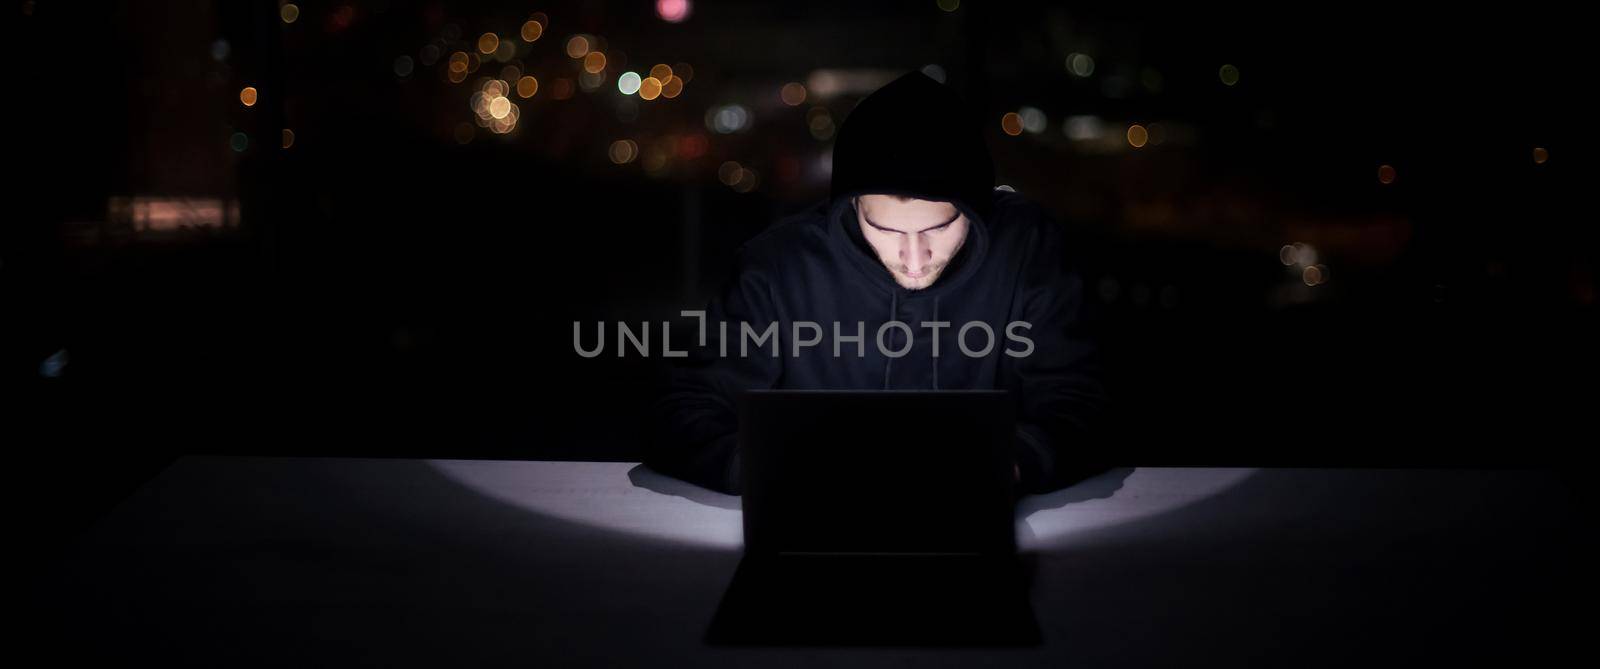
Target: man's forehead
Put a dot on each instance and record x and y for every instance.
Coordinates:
(894, 211)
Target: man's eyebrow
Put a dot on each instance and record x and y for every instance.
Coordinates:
(931, 227)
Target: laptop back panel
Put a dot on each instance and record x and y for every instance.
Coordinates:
(864, 472)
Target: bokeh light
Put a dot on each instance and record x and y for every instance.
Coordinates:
(673, 11)
(949, 5)
(403, 66)
(248, 96)
(693, 146)
(1228, 74)
(1138, 136)
(1080, 65)
(1011, 123)
(1033, 119)
(1540, 155)
(655, 159)
(748, 180)
(728, 119)
(288, 138)
(1299, 253)
(1084, 128)
(532, 31)
(819, 122)
(628, 83)
(487, 43)
(1386, 174)
(239, 142)
(289, 12)
(661, 71)
(793, 94)
(650, 88)
(673, 87)
(738, 177)
(504, 125)
(577, 46)
(594, 62)
(505, 51)
(728, 172)
(623, 151)
(494, 110)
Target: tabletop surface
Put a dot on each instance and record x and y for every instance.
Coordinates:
(253, 560)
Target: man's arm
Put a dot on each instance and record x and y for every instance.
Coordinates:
(696, 420)
(1062, 395)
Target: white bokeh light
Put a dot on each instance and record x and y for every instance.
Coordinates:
(628, 83)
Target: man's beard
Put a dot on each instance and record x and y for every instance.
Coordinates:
(920, 282)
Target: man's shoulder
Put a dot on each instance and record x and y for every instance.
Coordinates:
(1017, 219)
(789, 238)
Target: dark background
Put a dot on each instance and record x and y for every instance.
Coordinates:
(403, 281)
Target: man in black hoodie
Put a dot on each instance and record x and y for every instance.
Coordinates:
(914, 259)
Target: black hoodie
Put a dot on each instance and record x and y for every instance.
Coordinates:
(911, 137)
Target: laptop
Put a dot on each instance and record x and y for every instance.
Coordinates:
(877, 518)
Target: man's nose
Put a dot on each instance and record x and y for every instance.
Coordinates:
(914, 252)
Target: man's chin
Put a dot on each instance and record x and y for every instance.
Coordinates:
(916, 283)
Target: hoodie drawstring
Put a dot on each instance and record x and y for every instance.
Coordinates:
(888, 363)
(935, 350)
(894, 305)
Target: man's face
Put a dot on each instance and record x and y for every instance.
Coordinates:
(915, 239)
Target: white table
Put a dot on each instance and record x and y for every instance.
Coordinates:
(287, 561)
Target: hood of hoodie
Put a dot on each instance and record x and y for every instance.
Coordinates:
(913, 137)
